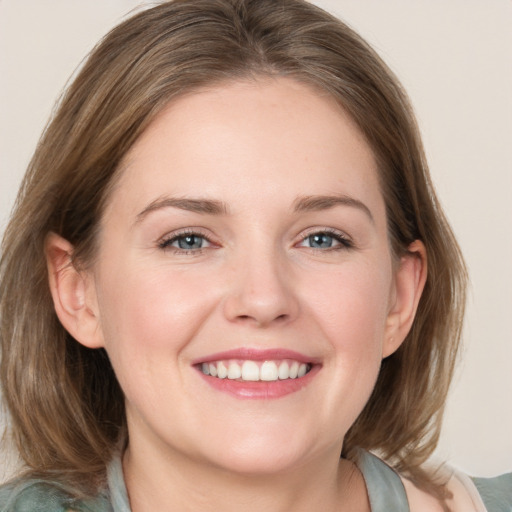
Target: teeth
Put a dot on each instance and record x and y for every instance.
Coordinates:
(268, 371)
(294, 370)
(222, 371)
(284, 371)
(234, 371)
(254, 371)
(250, 371)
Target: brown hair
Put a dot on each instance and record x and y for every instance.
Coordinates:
(65, 404)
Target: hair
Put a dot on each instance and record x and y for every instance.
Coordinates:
(66, 407)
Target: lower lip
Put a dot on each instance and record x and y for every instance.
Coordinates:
(261, 390)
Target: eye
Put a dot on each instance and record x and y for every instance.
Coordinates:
(186, 242)
(326, 240)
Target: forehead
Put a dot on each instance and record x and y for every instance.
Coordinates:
(266, 137)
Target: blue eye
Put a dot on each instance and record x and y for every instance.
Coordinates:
(321, 241)
(186, 242)
(325, 240)
(189, 242)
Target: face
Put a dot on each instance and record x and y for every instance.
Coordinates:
(244, 282)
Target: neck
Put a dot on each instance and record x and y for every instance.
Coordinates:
(172, 481)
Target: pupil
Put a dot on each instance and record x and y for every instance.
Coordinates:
(320, 240)
(190, 242)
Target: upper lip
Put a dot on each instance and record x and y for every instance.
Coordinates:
(253, 354)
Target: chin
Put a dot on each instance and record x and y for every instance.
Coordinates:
(259, 454)
(255, 462)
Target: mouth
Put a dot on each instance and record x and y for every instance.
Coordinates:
(253, 371)
(261, 374)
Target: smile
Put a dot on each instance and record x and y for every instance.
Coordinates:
(261, 374)
(254, 371)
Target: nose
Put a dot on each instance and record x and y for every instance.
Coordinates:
(261, 292)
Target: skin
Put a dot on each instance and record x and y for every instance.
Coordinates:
(258, 283)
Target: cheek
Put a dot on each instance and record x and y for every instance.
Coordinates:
(348, 311)
(147, 322)
(152, 314)
(352, 309)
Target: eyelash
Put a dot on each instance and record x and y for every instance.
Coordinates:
(166, 243)
(344, 242)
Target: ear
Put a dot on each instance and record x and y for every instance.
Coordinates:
(73, 293)
(409, 281)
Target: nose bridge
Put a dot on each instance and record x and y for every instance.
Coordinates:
(261, 291)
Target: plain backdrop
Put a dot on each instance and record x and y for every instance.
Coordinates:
(454, 57)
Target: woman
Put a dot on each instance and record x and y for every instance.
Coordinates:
(237, 271)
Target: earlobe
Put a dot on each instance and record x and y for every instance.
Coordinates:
(409, 281)
(73, 293)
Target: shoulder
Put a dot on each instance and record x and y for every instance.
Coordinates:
(45, 496)
(496, 492)
(467, 494)
(388, 490)
(420, 500)
(31, 495)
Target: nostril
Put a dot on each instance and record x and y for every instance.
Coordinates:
(279, 319)
(262, 309)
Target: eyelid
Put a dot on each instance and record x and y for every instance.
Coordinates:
(342, 237)
(165, 241)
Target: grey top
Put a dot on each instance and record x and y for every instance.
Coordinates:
(377, 475)
(496, 492)
(385, 490)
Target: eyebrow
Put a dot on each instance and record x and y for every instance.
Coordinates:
(325, 202)
(205, 206)
(214, 207)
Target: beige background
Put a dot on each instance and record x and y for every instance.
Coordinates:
(455, 59)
